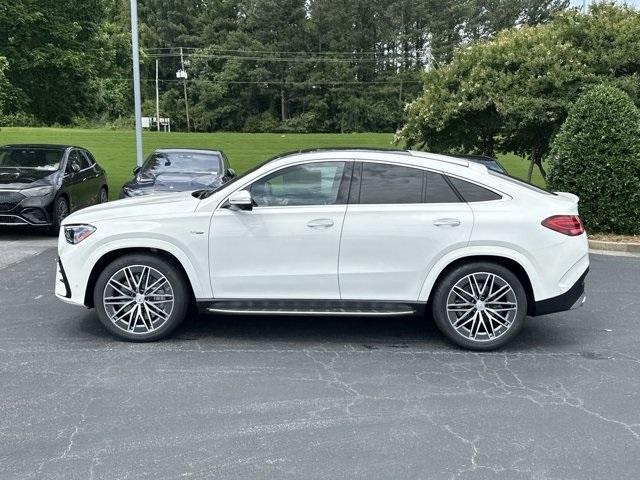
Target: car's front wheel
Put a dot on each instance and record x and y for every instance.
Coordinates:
(141, 297)
(480, 306)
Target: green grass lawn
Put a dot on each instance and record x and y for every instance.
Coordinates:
(115, 150)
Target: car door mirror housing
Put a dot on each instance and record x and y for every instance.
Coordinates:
(241, 200)
(136, 170)
(75, 168)
(231, 173)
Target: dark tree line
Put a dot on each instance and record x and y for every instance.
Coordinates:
(254, 65)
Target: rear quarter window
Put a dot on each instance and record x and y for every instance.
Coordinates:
(472, 192)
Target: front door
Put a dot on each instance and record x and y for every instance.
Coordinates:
(287, 246)
(400, 220)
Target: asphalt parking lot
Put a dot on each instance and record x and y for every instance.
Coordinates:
(255, 397)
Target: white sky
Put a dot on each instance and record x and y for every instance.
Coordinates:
(634, 3)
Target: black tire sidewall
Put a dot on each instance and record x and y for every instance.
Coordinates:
(54, 229)
(174, 276)
(439, 305)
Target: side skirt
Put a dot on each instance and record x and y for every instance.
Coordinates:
(309, 307)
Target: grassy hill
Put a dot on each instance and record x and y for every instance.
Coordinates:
(115, 150)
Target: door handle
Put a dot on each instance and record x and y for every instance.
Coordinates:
(320, 223)
(446, 222)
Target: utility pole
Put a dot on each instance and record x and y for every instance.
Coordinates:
(135, 54)
(157, 98)
(182, 73)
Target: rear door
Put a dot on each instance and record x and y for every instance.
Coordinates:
(399, 221)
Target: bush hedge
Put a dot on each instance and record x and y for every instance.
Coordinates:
(596, 155)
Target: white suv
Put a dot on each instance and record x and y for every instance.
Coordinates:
(333, 232)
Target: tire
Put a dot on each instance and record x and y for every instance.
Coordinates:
(121, 305)
(488, 298)
(60, 212)
(103, 196)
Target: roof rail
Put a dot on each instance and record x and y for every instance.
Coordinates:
(340, 149)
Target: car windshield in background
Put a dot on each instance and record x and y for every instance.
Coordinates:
(183, 162)
(31, 158)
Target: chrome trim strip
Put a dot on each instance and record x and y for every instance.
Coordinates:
(309, 312)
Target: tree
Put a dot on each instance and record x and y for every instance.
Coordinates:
(53, 49)
(512, 93)
(596, 155)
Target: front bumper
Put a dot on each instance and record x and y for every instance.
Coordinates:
(572, 298)
(63, 290)
(25, 211)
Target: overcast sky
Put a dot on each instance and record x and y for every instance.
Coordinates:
(634, 3)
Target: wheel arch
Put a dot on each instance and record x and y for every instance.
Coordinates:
(510, 263)
(112, 255)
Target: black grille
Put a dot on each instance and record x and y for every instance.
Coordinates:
(9, 200)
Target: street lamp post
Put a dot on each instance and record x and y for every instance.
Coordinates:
(135, 55)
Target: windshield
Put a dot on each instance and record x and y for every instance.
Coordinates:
(31, 158)
(182, 162)
(205, 193)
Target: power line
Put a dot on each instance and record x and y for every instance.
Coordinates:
(275, 59)
(276, 82)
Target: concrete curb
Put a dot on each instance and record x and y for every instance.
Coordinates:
(614, 246)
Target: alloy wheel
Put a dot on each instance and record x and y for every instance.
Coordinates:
(482, 306)
(138, 299)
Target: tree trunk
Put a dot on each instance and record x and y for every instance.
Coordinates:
(542, 170)
(530, 170)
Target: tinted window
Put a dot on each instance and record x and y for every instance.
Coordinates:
(85, 161)
(74, 158)
(438, 190)
(308, 184)
(473, 193)
(383, 183)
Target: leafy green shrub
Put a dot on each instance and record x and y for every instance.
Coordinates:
(596, 155)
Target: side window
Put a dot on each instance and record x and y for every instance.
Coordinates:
(383, 183)
(438, 190)
(74, 159)
(84, 160)
(91, 161)
(472, 192)
(308, 184)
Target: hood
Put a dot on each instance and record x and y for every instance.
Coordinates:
(144, 207)
(17, 179)
(182, 182)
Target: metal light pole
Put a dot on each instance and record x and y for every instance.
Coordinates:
(182, 73)
(135, 54)
(157, 98)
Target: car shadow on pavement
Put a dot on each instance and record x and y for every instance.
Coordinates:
(11, 234)
(373, 333)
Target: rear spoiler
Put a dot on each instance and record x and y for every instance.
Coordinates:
(569, 196)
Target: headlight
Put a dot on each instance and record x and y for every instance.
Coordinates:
(74, 234)
(37, 191)
(135, 192)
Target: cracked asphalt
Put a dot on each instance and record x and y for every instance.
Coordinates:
(266, 398)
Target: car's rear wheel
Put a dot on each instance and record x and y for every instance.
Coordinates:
(141, 297)
(480, 306)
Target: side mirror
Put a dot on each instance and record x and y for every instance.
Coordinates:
(241, 200)
(231, 173)
(136, 170)
(75, 168)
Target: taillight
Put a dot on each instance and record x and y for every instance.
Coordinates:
(565, 224)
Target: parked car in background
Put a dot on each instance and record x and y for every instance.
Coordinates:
(179, 170)
(334, 232)
(490, 163)
(41, 184)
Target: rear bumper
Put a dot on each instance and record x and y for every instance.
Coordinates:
(572, 298)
